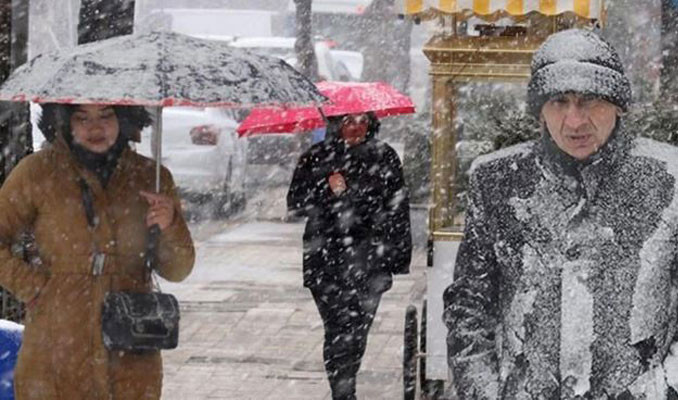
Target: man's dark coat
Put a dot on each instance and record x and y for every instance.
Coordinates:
(565, 282)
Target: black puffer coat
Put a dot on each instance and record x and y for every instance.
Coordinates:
(565, 281)
(361, 237)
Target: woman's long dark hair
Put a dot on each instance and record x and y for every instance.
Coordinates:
(57, 118)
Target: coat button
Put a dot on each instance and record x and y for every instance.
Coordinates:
(573, 252)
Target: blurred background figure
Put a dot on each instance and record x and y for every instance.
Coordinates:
(350, 187)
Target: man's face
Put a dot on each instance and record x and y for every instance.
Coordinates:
(578, 124)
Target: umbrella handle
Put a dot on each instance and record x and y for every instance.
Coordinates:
(322, 114)
(152, 243)
(156, 145)
(153, 236)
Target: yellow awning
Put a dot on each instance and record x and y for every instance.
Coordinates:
(589, 9)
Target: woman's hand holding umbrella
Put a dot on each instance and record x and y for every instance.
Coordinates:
(160, 210)
(159, 217)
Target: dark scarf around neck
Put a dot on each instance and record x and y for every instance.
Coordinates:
(101, 164)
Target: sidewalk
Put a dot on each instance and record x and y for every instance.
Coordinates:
(249, 330)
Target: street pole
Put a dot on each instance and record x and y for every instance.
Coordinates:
(5, 68)
(303, 46)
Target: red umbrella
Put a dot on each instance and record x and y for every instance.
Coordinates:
(345, 98)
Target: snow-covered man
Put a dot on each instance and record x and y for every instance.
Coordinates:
(566, 281)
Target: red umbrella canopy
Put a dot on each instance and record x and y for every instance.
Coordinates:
(345, 98)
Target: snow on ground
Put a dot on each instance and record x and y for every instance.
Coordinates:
(242, 253)
(257, 232)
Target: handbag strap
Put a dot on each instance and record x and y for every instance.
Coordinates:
(153, 239)
(88, 203)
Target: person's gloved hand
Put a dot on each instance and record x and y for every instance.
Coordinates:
(337, 183)
(160, 210)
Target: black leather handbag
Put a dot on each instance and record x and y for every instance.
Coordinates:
(130, 321)
(140, 321)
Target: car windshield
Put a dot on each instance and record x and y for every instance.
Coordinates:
(280, 52)
(284, 53)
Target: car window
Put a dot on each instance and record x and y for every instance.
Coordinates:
(235, 115)
(271, 51)
(286, 52)
(342, 72)
(325, 62)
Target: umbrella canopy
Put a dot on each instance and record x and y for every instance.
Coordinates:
(345, 98)
(159, 69)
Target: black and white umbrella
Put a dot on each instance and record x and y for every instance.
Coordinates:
(160, 69)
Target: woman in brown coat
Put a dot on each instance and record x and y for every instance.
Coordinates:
(62, 356)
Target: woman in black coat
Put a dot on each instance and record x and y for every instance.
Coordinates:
(351, 189)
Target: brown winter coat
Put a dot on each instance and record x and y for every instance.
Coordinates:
(62, 356)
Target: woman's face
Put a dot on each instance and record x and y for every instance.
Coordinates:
(95, 127)
(354, 128)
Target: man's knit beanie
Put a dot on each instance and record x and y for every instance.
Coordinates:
(577, 61)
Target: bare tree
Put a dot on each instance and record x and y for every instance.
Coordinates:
(303, 46)
(15, 127)
(386, 45)
(103, 19)
(5, 69)
(669, 34)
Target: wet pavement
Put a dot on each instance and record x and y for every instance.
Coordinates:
(249, 330)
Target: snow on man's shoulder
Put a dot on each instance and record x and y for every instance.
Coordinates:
(503, 156)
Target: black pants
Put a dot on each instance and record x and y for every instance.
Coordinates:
(347, 317)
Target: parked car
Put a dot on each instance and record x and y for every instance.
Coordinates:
(206, 157)
(352, 61)
(283, 47)
(271, 157)
(334, 7)
(211, 21)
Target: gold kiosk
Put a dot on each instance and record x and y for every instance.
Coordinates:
(474, 41)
